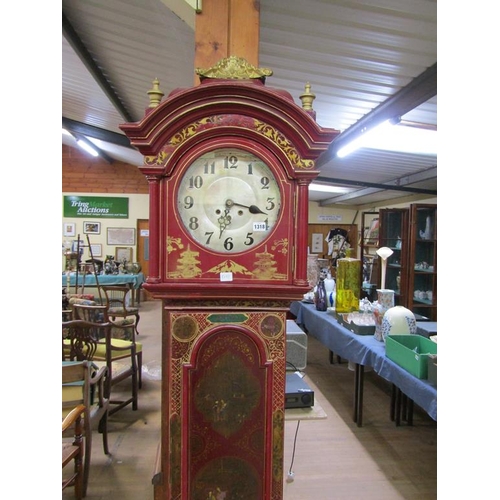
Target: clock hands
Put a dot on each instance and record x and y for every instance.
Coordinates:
(224, 221)
(252, 208)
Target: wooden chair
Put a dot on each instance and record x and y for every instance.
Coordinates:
(73, 451)
(83, 384)
(84, 340)
(116, 298)
(122, 329)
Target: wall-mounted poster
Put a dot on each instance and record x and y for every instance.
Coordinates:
(109, 207)
(121, 236)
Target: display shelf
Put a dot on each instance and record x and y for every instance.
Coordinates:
(369, 244)
(422, 276)
(394, 235)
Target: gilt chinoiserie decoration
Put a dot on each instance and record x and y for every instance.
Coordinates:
(228, 163)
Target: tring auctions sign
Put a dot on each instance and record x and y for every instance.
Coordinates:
(95, 206)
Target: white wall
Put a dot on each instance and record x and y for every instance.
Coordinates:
(352, 216)
(138, 209)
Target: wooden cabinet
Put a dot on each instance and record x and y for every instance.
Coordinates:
(368, 247)
(422, 267)
(411, 233)
(394, 235)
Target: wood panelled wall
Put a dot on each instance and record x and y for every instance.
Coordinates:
(82, 173)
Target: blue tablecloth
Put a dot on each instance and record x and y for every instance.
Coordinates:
(105, 279)
(366, 351)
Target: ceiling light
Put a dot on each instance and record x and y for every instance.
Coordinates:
(390, 137)
(87, 147)
(328, 188)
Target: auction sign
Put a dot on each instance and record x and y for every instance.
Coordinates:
(102, 207)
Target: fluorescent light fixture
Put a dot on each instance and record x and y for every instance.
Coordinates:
(328, 188)
(87, 147)
(390, 137)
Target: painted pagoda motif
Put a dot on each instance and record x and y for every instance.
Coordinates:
(265, 266)
(188, 265)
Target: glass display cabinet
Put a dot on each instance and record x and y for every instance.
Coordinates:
(422, 266)
(393, 234)
(369, 245)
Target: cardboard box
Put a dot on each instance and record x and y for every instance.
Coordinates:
(410, 352)
(296, 346)
(427, 328)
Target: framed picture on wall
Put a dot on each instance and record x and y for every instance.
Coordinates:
(77, 245)
(92, 228)
(121, 236)
(69, 229)
(123, 253)
(317, 243)
(96, 250)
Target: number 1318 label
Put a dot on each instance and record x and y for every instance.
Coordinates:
(259, 226)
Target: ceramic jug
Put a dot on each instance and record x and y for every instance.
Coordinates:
(385, 300)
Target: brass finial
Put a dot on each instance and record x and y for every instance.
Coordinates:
(234, 68)
(307, 98)
(155, 94)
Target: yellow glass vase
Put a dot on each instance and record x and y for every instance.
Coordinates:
(348, 284)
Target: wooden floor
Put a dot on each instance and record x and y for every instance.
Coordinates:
(334, 459)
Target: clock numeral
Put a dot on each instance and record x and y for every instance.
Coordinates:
(209, 234)
(270, 204)
(209, 168)
(188, 202)
(228, 244)
(195, 181)
(193, 223)
(249, 240)
(230, 162)
(250, 168)
(265, 182)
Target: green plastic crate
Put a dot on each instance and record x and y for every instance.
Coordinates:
(410, 352)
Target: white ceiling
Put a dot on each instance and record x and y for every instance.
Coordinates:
(365, 59)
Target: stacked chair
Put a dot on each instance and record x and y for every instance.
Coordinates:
(122, 338)
(84, 388)
(117, 302)
(72, 452)
(97, 354)
(93, 341)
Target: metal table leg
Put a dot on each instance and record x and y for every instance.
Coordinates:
(359, 372)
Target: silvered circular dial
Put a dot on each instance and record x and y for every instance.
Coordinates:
(228, 200)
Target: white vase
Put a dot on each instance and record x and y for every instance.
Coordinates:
(330, 290)
(398, 320)
(426, 234)
(385, 300)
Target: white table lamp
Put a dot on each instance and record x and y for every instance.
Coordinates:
(384, 253)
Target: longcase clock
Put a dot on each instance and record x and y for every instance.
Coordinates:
(228, 163)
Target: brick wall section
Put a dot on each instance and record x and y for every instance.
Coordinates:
(82, 173)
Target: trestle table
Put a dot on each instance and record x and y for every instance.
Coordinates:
(363, 351)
